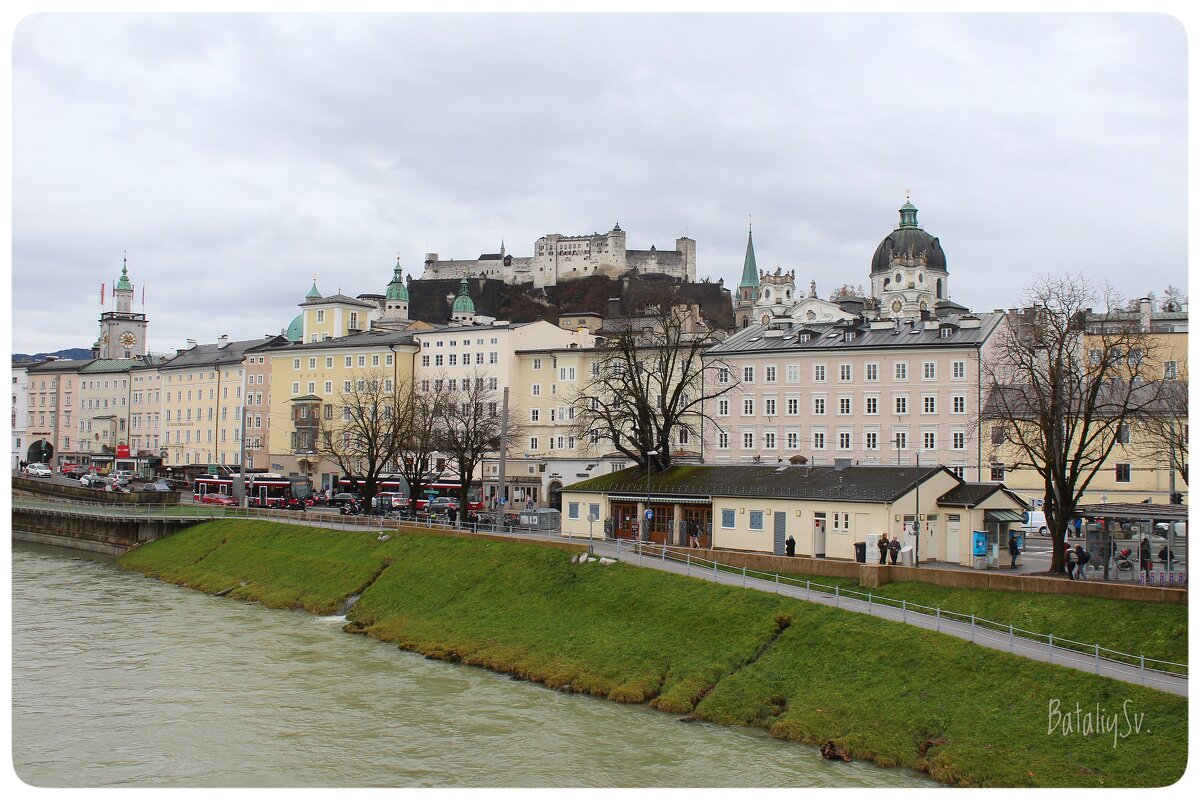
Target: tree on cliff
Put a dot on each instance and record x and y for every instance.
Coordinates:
(1064, 384)
(649, 384)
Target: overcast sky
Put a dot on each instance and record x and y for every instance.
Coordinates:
(234, 156)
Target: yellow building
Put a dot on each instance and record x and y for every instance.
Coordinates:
(1140, 464)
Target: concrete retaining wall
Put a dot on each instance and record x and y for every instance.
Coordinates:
(45, 488)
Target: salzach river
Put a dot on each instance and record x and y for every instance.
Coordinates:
(119, 680)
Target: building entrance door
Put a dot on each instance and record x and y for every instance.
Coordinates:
(625, 519)
(780, 532)
(819, 534)
(699, 519)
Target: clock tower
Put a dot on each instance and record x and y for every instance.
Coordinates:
(122, 332)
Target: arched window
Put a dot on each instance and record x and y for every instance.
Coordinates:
(939, 288)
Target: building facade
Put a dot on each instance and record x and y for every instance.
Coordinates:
(51, 411)
(20, 409)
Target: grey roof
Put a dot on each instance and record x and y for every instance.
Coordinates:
(337, 298)
(211, 355)
(376, 337)
(828, 336)
(59, 365)
(858, 483)
(969, 495)
(1158, 511)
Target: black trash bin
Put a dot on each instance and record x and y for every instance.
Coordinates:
(860, 552)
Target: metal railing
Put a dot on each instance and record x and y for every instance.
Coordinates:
(935, 617)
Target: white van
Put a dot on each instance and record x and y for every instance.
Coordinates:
(1034, 522)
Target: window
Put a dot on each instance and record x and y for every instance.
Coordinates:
(723, 441)
(353, 320)
(535, 415)
(723, 408)
(818, 405)
(748, 440)
(901, 370)
(320, 315)
(453, 361)
(537, 389)
(959, 440)
(295, 363)
(769, 404)
(844, 372)
(930, 370)
(572, 510)
(872, 372)
(843, 405)
(997, 472)
(793, 441)
(872, 405)
(1123, 434)
(930, 439)
(533, 443)
(843, 441)
(537, 363)
(901, 440)
(959, 370)
(593, 511)
(424, 361)
(328, 387)
(872, 440)
(684, 436)
(1171, 370)
(295, 391)
(793, 405)
(793, 373)
(818, 440)
(769, 441)
(756, 520)
(728, 518)
(312, 363)
(901, 405)
(1124, 473)
(748, 407)
(748, 374)
(722, 373)
(960, 404)
(997, 434)
(929, 404)
(439, 360)
(566, 373)
(818, 373)
(770, 374)
(493, 358)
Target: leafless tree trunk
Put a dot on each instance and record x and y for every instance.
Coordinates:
(416, 446)
(363, 433)
(471, 425)
(1062, 381)
(649, 381)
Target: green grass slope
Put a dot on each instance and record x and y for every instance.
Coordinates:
(882, 690)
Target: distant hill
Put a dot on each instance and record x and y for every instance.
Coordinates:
(73, 353)
(429, 300)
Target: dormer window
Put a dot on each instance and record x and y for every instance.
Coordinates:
(804, 337)
(944, 333)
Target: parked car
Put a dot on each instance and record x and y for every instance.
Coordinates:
(1034, 522)
(441, 505)
(122, 476)
(73, 471)
(37, 470)
(344, 498)
(214, 499)
(156, 486)
(93, 480)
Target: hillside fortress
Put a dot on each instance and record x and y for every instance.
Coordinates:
(562, 258)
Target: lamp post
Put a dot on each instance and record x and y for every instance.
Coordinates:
(917, 515)
(646, 521)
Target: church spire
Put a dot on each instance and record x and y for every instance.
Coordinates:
(750, 268)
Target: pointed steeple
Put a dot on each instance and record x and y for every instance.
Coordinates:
(123, 283)
(396, 290)
(313, 294)
(750, 268)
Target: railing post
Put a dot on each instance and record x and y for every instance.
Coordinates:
(807, 589)
(904, 610)
(743, 575)
(776, 583)
(1097, 646)
(1010, 637)
(837, 598)
(1142, 669)
(972, 626)
(1050, 641)
(869, 603)
(939, 618)
(689, 563)
(714, 565)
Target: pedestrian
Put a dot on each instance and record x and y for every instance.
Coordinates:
(452, 513)
(1072, 562)
(1147, 564)
(883, 549)
(894, 549)
(1014, 549)
(1083, 557)
(790, 546)
(694, 539)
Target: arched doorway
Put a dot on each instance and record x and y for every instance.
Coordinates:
(556, 494)
(41, 450)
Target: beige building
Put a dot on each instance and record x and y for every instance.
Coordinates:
(145, 410)
(825, 509)
(104, 410)
(52, 411)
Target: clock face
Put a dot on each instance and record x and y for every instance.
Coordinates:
(128, 340)
(104, 338)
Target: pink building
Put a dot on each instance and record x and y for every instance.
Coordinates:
(876, 391)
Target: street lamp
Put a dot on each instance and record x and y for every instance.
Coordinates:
(646, 521)
(917, 515)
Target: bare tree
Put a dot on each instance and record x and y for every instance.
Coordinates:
(1162, 430)
(361, 434)
(1173, 299)
(424, 414)
(471, 426)
(845, 291)
(649, 381)
(1063, 381)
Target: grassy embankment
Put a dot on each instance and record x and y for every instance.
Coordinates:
(884, 691)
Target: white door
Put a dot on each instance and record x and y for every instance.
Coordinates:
(952, 538)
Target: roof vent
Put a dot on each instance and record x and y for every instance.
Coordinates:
(840, 464)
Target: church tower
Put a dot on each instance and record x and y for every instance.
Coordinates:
(395, 302)
(908, 271)
(462, 312)
(122, 332)
(747, 296)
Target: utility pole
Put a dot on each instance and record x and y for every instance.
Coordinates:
(503, 450)
(243, 500)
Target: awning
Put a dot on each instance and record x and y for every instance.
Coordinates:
(632, 498)
(1002, 515)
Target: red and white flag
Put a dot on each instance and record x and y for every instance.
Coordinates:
(101, 294)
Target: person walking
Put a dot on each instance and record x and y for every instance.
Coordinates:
(1072, 561)
(790, 546)
(1147, 564)
(883, 549)
(1082, 557)
(894, 549)
(694, 538)
(1014, 549)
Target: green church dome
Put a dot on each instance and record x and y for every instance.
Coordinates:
(396, 290)
(463, 303)
(295, 331)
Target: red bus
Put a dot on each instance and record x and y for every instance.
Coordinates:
(263, 489)
(436, 487)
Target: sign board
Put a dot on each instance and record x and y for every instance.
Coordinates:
(212, 469)
(649, 513)
(979, 543)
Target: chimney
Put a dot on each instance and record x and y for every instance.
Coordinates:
(191, 343)
(614, 307)
(222, 340)
(1145, 308)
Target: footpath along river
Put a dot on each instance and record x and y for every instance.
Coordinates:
(120, 680)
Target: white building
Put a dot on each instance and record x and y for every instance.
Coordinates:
(20, 407)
